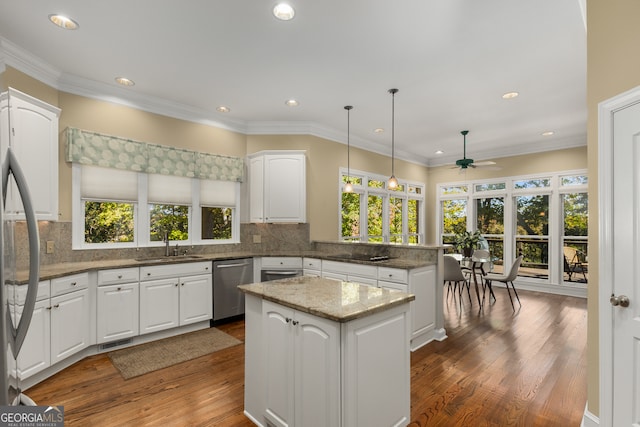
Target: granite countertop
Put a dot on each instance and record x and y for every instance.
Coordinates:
(52, 271)
(332, 299)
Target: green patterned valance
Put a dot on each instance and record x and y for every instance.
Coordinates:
(91, 148)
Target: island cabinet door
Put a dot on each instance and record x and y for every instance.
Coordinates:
(317, 375)
(278, 359)
(302, 372)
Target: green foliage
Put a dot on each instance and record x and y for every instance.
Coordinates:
(454, 214)
(216, 223)
(576, 214)
(350, 214)
(374, 218)
(467, 240)
(170, 219)
(108, 222)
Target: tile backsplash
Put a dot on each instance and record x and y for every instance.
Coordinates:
(254, 238)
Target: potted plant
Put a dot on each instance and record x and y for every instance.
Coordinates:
(466, 242)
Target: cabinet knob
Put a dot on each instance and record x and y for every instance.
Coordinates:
(56, 306)
(288, 320)
(177, 284)
(119, 288)
(295, 322)
(206, 268)
(49, 308)
(73, 283)
(148, 274)
(119, 276)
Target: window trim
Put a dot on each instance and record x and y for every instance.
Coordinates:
(555, 235)
(364, 190)
(141, 217)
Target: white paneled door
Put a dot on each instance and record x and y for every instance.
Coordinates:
(619, 296)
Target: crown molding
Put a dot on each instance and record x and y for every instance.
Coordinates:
(14, 56)
(529, 147)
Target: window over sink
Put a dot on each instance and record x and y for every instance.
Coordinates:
(186, 211)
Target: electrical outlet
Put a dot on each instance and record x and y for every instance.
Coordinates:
(50, 246)
(257, 238)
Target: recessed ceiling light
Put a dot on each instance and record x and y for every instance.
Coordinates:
(510, 95)
(223, 109)
(291, 103)
(124, 81)
(547, 133)
(439, 152)
(378, 130)
(284, 12)
(64, 22)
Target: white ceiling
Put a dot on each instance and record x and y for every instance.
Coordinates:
(450, 59)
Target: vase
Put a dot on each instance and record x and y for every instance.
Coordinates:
(467, 252)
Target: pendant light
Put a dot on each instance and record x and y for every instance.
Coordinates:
(348, 187)
(392, 184)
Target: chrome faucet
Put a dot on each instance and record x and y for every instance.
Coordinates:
(166, 243)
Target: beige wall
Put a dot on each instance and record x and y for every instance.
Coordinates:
(613, 67)
(324, 159)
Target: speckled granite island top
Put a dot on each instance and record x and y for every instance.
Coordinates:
(331, 299)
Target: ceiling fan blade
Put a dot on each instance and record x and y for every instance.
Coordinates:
(485, 163)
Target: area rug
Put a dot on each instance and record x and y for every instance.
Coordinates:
(141, 359)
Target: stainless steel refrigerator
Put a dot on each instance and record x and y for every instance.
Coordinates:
(14, 319)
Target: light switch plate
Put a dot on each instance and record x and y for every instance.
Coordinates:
(257, 238)
(50, 246)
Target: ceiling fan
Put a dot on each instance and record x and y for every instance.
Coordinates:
(465, 163)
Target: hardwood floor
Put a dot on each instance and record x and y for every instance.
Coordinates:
(497, 368)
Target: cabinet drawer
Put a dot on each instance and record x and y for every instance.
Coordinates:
(393, 274)
(44, 292)
(393, 285)
(68, 284)
(350, 269)
(174, 270)
(119, 275)
(312, 263)
(281, 262)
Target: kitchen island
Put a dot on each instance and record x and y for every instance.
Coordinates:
(322, 352)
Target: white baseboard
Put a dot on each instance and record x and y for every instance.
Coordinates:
(589, 420)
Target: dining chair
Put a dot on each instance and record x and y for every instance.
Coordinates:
(453, 274)
(506, 279)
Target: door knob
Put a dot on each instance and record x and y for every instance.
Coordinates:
(622, 300)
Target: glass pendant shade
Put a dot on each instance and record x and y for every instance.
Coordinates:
(392, 183)
(348, 187)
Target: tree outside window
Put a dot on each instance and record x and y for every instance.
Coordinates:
(454, 219)
(532, 234)
(172, 220)
(108, 222)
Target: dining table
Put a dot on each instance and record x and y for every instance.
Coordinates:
(475, 265)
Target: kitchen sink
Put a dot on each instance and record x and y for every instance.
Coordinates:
(169, 259)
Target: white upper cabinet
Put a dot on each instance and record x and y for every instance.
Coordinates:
(277, 186)
(30, 127)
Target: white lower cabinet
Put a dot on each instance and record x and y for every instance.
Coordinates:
(358, 273)
(302, 367)
(70, 316)
(117, 312)
(117, 304)
(60, 325)
(182, 298)
(35, 354)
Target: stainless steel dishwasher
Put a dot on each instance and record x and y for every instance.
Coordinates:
(228, 301)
